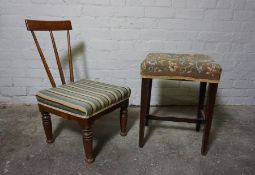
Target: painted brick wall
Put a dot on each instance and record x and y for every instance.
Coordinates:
(112, 37)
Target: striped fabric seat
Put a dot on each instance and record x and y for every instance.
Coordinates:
(83, 98)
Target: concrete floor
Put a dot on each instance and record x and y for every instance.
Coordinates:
(171, 148)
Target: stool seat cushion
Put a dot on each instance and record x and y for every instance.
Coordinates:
(83, 98)
(195, 67)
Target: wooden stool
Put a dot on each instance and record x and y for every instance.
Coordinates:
(191, 67)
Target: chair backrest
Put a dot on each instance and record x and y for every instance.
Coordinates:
(34, 25)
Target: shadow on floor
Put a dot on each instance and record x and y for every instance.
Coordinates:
(103, 130)
(218, 123)
(217, 126)
(154, 125)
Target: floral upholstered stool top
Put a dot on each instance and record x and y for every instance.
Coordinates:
(182, 67)
(195, 67)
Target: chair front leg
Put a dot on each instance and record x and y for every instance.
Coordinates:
(123, 118)
(212, 91)
(144, 102)
(87, 137)
(46, 121)
(201, 102)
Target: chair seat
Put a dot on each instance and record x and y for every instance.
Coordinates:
(83, 98)
(195, 67)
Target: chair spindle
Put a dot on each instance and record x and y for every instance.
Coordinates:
(57, 58)
(70, 57)
(53, 84)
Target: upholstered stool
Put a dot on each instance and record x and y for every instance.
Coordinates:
(186, 67)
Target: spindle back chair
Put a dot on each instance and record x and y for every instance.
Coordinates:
(85, 121)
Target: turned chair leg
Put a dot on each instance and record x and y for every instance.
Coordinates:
(123, 118)
(46, 121)
(201, 100)
(148, 103)
(144, 108)
(212, 91)
(87, 136)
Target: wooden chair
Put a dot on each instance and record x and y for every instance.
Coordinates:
(182, 67)
(83, 101)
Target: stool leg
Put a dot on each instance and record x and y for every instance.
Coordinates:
(212, 91)
(144, 102)
(201, 102)
(148, 103)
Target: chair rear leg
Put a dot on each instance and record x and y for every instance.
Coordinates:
(87, 136)
(212, 91)
(123, 118)
(46, 121)
(201, 100)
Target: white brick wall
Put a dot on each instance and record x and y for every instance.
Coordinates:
(112, 37)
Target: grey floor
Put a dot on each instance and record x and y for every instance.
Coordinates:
(171, 148)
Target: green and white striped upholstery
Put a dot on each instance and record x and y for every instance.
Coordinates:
(83, 98)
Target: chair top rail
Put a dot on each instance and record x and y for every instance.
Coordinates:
(36, 25)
